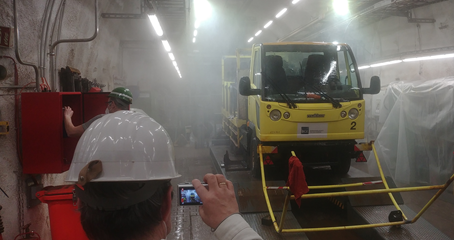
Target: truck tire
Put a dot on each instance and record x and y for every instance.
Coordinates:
(343, 167)
(255, 158)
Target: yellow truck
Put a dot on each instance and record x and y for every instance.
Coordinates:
(304, 97)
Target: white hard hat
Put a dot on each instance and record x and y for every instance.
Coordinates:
(138, 110)
(131, 146)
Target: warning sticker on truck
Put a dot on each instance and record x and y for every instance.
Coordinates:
(312, 130)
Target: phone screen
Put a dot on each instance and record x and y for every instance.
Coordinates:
(188, 196)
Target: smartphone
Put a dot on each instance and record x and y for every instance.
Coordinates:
(187, 194)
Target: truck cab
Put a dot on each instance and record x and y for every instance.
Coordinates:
(307, 98)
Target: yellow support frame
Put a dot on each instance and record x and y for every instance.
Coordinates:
(280, 228)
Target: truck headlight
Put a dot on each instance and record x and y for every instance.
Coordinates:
(286, 115)
(353, 113)
(343, 114)
(275, 115)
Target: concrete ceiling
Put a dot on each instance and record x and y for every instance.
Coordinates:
(233, 22)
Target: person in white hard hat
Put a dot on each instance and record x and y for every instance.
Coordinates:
(122, 167)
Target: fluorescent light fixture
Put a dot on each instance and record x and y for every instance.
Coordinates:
(193, 40)
(268, 24)
(166, 45)
(385, 63)
(155, 23)
(363, 67)
(171, 56)
(295, 1)
(195, 33)
(197, 24)
(250, 39)
(341, 7)
(336, 42)
(281, 12)
(429, 57)
(174, 63)
(258, 33)
(202, 9)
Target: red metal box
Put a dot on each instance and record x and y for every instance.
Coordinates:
(94, 104)
(45, 146)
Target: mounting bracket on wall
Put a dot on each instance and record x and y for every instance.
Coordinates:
(127, 15)
(4, 127)
(6, 37)
(122, 15)
(3, 72)
(33, 185)
(419, 20)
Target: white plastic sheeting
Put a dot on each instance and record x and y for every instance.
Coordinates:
(416, 142)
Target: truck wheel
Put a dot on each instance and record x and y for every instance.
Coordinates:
(255, 158)
(344, 165)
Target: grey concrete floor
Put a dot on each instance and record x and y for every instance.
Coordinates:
(196, 162)
(440, 214)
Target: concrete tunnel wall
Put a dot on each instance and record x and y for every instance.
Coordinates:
(100, 60)
(96, 60)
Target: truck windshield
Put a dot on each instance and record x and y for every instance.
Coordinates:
(309, 73)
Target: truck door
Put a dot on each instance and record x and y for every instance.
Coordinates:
(256, 76)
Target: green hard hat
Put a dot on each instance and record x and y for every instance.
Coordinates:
(122, 93)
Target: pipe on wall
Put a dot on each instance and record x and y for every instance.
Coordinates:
(57, 24)
(16, 43)
(52, 47)
(41, 48)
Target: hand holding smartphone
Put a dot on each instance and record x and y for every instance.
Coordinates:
(219, 201)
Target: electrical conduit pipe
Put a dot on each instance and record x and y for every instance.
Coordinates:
(16, 43)
(52, 47)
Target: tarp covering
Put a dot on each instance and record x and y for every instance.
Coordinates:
(416, 143)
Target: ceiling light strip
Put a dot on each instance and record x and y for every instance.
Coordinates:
(155, 23)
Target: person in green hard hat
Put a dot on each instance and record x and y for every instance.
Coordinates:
(119, 99)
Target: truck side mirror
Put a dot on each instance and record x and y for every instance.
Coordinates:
(374, 86)
(245, 87)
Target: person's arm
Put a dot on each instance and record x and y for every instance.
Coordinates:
(235, 228)
(71, 130)
(220, 209)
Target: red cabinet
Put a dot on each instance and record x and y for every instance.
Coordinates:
(94, 104)
(45, 146)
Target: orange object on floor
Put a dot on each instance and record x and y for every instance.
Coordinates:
(296, 179)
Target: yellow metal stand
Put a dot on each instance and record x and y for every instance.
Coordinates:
(280, 228)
